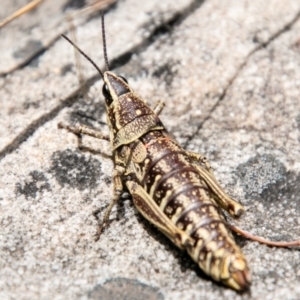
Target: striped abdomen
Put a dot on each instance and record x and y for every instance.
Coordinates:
(173, 181)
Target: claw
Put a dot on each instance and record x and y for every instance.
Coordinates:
(98, 233)
(100, 230)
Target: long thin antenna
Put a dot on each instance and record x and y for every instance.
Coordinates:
(104, 41)
(85, 55)
(80, 74)
(255, 238)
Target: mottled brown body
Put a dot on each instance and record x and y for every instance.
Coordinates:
(173, 188)
(172, 179)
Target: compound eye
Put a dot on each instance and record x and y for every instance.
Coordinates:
(106, 94)
(123, 78)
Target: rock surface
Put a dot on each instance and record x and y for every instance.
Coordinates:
(229, 73)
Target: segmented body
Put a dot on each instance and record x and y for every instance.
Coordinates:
(173, 188)
(173, 181)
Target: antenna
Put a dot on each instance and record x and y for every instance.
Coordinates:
(104, 42)
(85, 55)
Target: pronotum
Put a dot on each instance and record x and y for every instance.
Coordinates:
(173, 188)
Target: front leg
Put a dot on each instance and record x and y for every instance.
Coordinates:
(82, 129)
(117, 175)
(118, 189)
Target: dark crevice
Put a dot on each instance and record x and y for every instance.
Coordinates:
(37, 52)
(74, 4)
(273, 37)
(176, 20)
(31, 128)
(166, 27)
(119, 61)
(163, 28)
(27, 61)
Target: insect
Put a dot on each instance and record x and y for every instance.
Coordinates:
(173, 188)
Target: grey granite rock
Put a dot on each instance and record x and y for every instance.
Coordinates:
(229, 72)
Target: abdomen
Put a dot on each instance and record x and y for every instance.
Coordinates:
(174, 183)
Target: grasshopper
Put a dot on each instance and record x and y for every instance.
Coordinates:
(173, 188)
